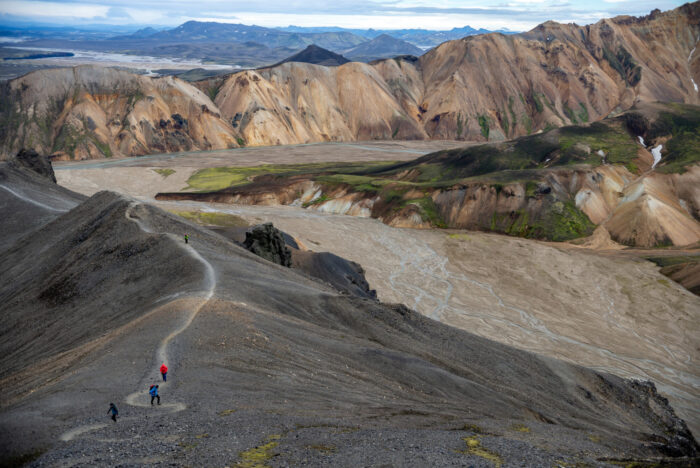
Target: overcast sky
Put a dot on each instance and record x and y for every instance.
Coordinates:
(379, 14)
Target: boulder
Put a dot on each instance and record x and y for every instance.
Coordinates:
(30, 159)
(267, 242)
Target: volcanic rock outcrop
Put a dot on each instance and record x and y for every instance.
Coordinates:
(267, 242)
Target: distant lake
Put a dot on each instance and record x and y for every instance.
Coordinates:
(41, 55)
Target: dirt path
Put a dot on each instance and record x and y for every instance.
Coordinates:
(140, 398)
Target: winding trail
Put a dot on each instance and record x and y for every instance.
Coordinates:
(140, 398)
(208, 288)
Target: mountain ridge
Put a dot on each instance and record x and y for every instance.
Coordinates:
(551, 76)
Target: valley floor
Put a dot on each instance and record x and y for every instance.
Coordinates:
(610, 311)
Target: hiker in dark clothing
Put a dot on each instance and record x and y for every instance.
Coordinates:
(154, 393)
(113, 409)
(187, 238)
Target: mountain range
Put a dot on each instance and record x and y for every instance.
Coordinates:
(551, 76)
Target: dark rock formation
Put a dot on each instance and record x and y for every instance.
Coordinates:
(30, 159)
(344, 275)
(267, 242)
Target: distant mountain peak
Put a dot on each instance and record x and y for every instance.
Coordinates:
(316, 55)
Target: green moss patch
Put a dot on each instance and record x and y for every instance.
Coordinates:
(164, 172)
(218, 178)
(474, 447)
(257, 457)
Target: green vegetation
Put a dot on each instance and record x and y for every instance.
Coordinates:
(257, 457)
(520, 428)
(165, 172)
(484, 123)
(560, 222)
(682, 123)
(504, 123)
(429, 211)
(513, 118)
(213, 91)
(316, 201)
(624, 64)
(207, 218)
(240, 141)
(538, 103)
(474, 447)
(217, 178)
(570, 113)
(460, 124)
(70, 139)
(582, 113)
(619, 146)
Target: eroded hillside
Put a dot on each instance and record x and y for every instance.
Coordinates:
(636, 176)
(488, 87)
(91, 112)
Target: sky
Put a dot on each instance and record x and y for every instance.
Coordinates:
(517, 15)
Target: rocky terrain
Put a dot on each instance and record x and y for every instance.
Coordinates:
(557, 185)
(269, 366)
(551, 76)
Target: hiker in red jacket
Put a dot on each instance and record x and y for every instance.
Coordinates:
(163, 370)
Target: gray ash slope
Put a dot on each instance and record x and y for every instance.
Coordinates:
(261, 356)
(29, 196)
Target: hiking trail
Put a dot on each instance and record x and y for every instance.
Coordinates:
(141, 398)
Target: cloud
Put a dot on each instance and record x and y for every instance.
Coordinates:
(53, 9)
(380, 14)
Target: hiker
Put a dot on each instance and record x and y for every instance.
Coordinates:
(113, 409)
(154, 393)
(187, 238)
(164, 371)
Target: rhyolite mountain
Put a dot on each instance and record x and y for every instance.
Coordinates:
(486, 88)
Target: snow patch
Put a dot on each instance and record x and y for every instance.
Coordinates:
(694, 85)
(656, 152)
(641, 141)
(691, 53)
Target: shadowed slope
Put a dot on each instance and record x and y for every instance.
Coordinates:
(270, 340)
